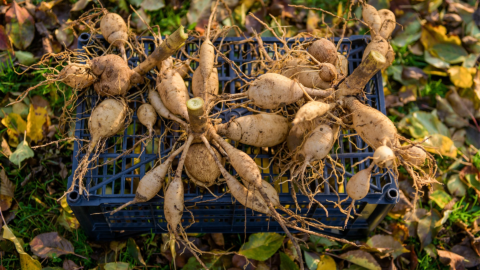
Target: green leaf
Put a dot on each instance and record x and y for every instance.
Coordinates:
(361, 258)
(449, 52)
(134, 251)
(440, 197)
(212, 261)
(261, 246)
(410, 34)
(23, 152)
(117, 266)
(286, 263)
(434, 61)
(25, 58)
(456, 187)
(317, 240)
(476, 160)
(20, 26)
(311, 259)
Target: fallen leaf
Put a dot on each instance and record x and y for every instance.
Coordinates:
(456, 187)
(448, 115)
(51, 245)
(212, 261)
(152, 5)
(68, 221)
(460, 76)
(311, 259)
(432, 35)
(455, 261)
(218, 239)
(117, 266)
(361, 258)
(440, 197)
(312, 21)
(138, 23)
(36, 119)
(471, 258)
(25, 58)
(426, 228)
(22, 152)
(20, 26)
(70, 265)
(117, 246)
(326, 263)
(15, 126)
(286, 263)
(7, 187)
(448, 52)
(317, 240)
(435, 61)
(64, 35)
(80, 5)
(386, 244)
(197, 9)
(5, 148)
(26, 261)
(410, 33)
(134, 251)
(261, 246)
(440, 144)
(5, 44)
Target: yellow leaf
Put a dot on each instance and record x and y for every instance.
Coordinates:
(35, 120)
(326, 262)
(432, 35)
(15, 126)
(26, 261)
(460, 76)
(440, 144)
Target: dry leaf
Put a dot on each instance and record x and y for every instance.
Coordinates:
(36, 119)
(51, 245)
(15, 126)
(7, 188)
(26, 261)
(20, 26)
(455, 261)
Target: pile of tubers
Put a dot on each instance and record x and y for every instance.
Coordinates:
(301, 100)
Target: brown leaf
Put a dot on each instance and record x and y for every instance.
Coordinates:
(5, 44)
(20, 26)
(426, 228)
(7, 188)
(455, 261)
(51, 244)
(63, 171)
(70, 265)
(218, 239)
(80, 5)
(462, 106)
(413, 258)
(471, 258)
(362, 258)
(5, 148)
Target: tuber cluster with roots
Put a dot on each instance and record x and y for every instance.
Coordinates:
(300, 103)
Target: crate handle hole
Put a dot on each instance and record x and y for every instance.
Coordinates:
(84, 37)
(73, 196)
(392, 194)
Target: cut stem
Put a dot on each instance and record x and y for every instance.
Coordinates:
(198, 122)
(355, 83)
(162, 52)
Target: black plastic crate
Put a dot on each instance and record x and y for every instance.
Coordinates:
(112, 185)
